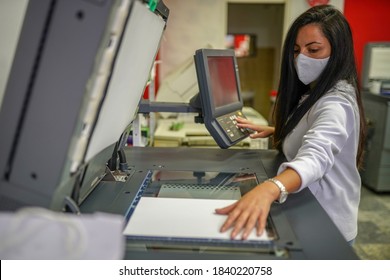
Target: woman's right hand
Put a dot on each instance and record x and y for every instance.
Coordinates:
(260, 131)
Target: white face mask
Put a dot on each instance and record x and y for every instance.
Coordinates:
(309, 69)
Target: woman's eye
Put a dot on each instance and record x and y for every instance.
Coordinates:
(313, 50)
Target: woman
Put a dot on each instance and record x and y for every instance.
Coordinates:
(319, 126)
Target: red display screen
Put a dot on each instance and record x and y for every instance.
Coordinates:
(223, 80)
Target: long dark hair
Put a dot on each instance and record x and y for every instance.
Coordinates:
(341, 66)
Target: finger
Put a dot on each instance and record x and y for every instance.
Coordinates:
(240, 222)
(261, 223)
(243, 120)
(249, 126)
(261, 134)
(230, 220)
(225, 210)
(256, 135)
(250, 224)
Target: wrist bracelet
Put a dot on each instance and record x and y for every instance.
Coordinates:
(283, 193)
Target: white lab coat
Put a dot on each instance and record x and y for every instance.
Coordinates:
(322, 149)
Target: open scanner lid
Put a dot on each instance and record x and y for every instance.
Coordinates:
(78, 74)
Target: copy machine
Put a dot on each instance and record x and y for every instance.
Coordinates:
(376, 100)
(76, 82)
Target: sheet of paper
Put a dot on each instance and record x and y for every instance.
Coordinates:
(181, 218)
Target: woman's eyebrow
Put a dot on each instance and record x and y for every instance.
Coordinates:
(308, 44)
(314, 42)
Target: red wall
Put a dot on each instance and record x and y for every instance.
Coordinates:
(370, 22)
(156, 80)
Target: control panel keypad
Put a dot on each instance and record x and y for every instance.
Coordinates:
(228, 124)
